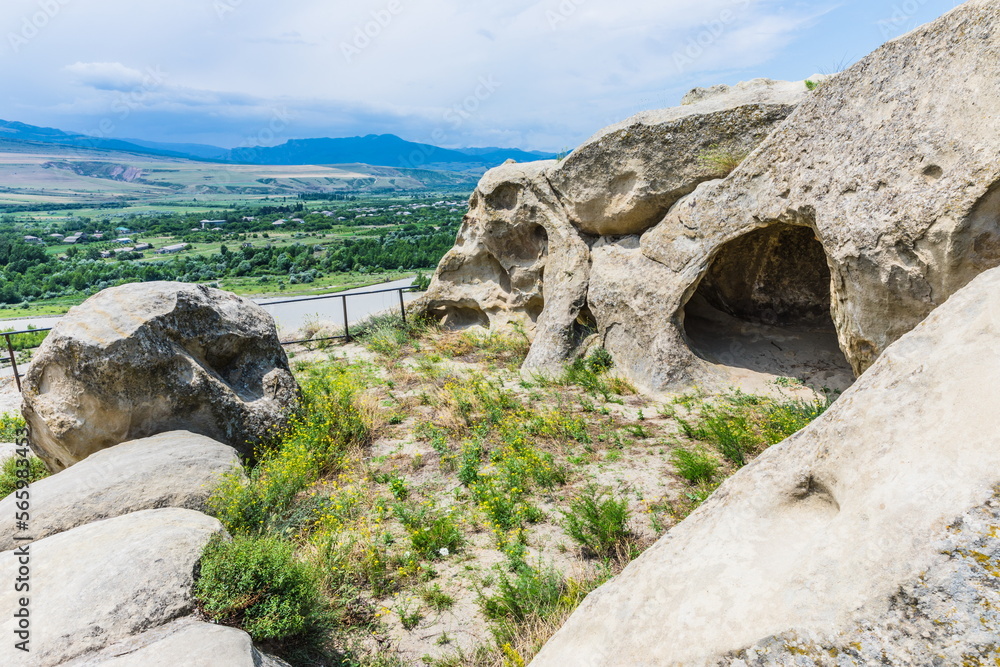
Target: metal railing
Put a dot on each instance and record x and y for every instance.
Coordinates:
(346, 336)
(10, 349)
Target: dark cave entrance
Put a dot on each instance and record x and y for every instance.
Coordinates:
(764, 305)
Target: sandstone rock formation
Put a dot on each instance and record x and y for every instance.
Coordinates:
(175, 469)
(868, 206)
(625, 178)
(870, 537)
(98, 584)
(142, 359)
(182, 643)
(523, 255)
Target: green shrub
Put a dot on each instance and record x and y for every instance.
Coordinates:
(256, 584)
(600, 360)
(694, 465)
(598, 522)
(433, 534)
(591, 374)
(422, 282)
(388, 333)
(528, 591)
(328, 426)
(11, 425)
(31, 469)
(526, 608)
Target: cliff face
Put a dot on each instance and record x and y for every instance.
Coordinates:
(870, 204)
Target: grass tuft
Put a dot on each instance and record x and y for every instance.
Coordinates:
(598, 522)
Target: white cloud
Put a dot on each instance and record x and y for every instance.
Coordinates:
(563, 68)
(108, 76)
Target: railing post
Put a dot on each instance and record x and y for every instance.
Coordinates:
(402, 306)
(13, 362)
(347, 332)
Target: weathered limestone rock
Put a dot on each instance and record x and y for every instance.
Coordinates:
(175, 469)
(516, 258)
(868, 206)
(141, 359)
(522, 254)
(867, 538)
(892, 165)
(182, 643)
(625, 178)
(101, 583)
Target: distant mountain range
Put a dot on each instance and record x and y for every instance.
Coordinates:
(386, 150)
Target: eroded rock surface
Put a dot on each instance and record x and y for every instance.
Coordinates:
(146, 358)
(175, 469)
(523, 254)
(101, 583)
(869, 537)
(625, 178)
(182, 643)
(871, 203)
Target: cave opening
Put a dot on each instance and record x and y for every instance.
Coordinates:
(763, 305)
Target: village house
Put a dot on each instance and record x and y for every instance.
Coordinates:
(171, 249)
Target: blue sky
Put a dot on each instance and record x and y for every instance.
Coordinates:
(533, 74)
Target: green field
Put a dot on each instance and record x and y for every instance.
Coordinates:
(53, 175)
(276, 247)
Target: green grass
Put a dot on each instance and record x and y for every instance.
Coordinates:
(722, 161)
(388, 333)
(433, 534)
(526, 607)
(591, 373)
(598, 522)
(437, 599)
(741, 425)
(695, 465)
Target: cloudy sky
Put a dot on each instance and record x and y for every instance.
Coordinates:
(536, 74)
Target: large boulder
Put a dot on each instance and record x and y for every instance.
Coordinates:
(182, 643)
(142, 359)
(865, 208)
(175, 469)
(98, 584)
(870, 537)
(625, 178)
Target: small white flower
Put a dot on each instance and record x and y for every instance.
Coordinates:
(444, 551)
